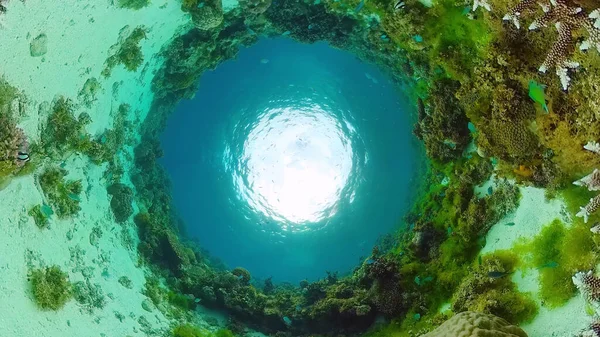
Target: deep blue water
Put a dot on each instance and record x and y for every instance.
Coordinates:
(291, 160)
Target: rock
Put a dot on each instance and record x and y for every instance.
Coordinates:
(475, 324)
(147, 305)
(39, 46)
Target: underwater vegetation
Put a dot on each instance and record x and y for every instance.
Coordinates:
(483, 110)
(133, 4)
(478, 324)
(126, 51)
(62, 194)
(50, 287)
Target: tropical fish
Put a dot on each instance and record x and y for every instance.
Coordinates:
(398, 5)
(551, 264)
(73, 196)
(287, 321)
(264, 61)
(481, 241)
(417, 317)
(46, 210)
(536, 93)
(360, 6)
(510, 224)
(449, 230)
(498, 274)
(490, 190)
(428, 279)
(418, 280)
(494, 161)
(370, 261)
(22, 157)
(471, 127)
(418, 38)
(286, 33)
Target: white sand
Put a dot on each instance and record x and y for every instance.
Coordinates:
(535, 212)
(80, 34)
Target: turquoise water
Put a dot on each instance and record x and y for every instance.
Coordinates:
(291, 160)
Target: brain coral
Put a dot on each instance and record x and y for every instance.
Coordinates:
(473, 324)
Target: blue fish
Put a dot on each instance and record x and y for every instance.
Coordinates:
(73, 196)
(370, 261)
(510, 224)
(286, 33)
(490, 190)
(449, 230)
(360, 6)
(298, 307)
(287, 321)
(418, 280)
(551, 264)
(417, 317)
(498, 274)
(471, 127)
(418, 38)
(428, 279)
(46, 210)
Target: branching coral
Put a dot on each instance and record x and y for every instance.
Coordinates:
(588, 284)
(591, 181)
(567, 20)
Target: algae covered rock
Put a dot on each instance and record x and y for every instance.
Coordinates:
(39, 45)
(122, 197)
(473, 324)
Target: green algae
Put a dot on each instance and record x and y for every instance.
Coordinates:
(61, 193)
(482, 292)
(39, 217)
(50, 287)
(558, 252)
(133, 4)
(128, 51)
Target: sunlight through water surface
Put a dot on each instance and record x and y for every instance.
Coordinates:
(295, 163)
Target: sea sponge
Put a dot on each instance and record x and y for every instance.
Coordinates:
(474, 324)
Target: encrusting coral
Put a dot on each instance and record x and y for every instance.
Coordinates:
(567, 20)
(475, 324)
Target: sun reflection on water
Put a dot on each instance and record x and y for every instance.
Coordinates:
(295, 165)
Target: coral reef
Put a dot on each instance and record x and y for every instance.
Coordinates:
(62, 194)
(120, 203)
(588, 284)
(473, 324)
(50, 287)
(254, 7)
(89, 296)
(206, 15)
(489, 289)
(442, 123)
(567, 20)
(133, 4)
(126, 51)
